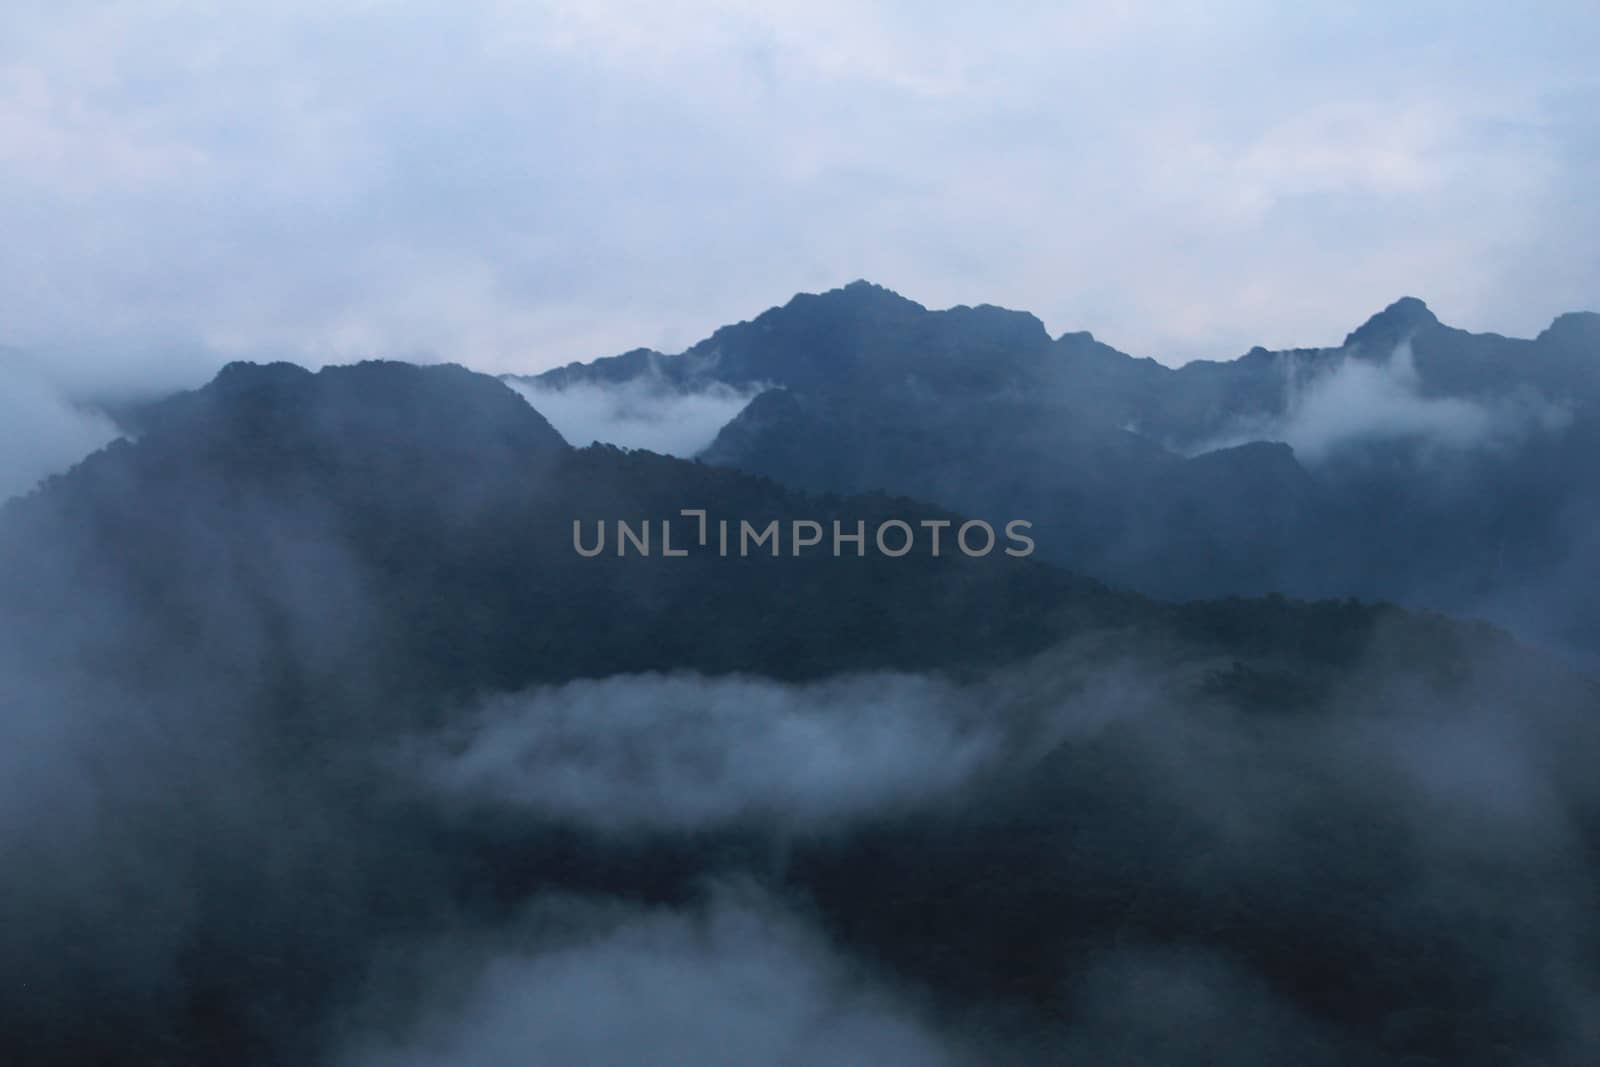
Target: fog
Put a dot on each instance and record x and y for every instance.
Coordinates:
(1085, 855)
(243, 827)
(1334, 400)
(683, 753)
(43, 431)
(734, 982)
(58, 400)
(640, 413)
(314, 751)
(1431, 837)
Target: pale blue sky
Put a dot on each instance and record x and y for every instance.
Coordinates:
(516, 185)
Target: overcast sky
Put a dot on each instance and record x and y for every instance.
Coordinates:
(516, 185)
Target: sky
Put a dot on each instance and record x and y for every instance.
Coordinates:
(514, 186)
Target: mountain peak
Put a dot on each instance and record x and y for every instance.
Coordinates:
(241, 375)
(862, 285)
(1574, 327)
(1393, 324)
(861, 294)
(370, 403)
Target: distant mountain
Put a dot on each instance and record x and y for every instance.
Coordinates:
(1412, 462)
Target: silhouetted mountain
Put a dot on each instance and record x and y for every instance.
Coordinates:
(247, 653)
(1398, 322)
(860, 337)
(436, 508)
(446, 504)
(1429, 465)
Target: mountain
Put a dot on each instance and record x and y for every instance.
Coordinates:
(286, 525)
(862, 336)
(1413, 462)
(320, 732)
(439, 507)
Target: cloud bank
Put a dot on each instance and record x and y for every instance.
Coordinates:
(1090, 856)
(734, 983)
(637, 414)
(42, 430)
(1350, 400)
(684, 753)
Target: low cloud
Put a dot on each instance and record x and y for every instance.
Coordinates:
(43, 431)
(642, 413)
(735, 982)
(1093, 857)
(683, 752)
(1089, 832)
(1362, 401)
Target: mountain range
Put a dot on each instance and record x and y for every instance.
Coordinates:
(322, 742)
(1412, 462)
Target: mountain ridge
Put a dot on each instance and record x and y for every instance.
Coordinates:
(241, 644)
(1399, 436)
(1406, 313)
